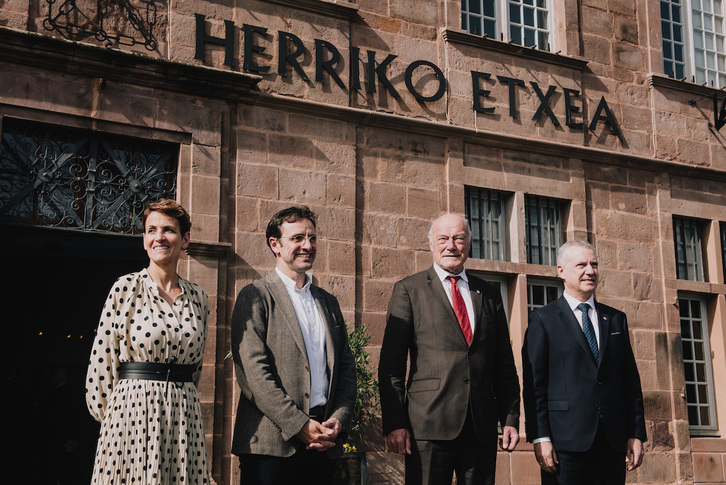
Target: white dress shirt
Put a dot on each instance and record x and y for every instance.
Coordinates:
(463, 284)
(313, 330)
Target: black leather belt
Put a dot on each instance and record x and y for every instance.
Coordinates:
(156, 371)
(317, 413)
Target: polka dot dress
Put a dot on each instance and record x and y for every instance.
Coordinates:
(151, 432)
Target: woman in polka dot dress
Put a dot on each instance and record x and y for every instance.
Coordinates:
(145, 364)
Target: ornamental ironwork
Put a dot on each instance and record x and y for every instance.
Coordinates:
(63, 177)
(124, 22)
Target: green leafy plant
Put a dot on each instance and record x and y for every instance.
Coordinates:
(367, 398)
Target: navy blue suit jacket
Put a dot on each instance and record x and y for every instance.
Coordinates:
(566, 392)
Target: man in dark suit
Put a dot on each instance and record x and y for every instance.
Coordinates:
(462, 379)
(582, 398)
(293, 365)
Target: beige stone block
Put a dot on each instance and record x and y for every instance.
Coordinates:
(597, 21)
(525, 470)
(714, 445)
(379, 230)
(335, 157)
(423, 203)
(386, 197)
(391, 263)
(648, 375)
(624, 227)
(251, 146)
(251, 248)
(257, 180)
(291, 151)
(302, 187)
(376, 295)
(341, 191)
(205, 195)
(336, 223)
(341, 257)
(596, 48)
(503, 469)
(693, 152)
(247, 215)
(413, 233)
(635, 257)
(658, 468)
(263, 119)
(615, 284)
(708, 468)
(342, 287)
(658, 405)
(205, 227)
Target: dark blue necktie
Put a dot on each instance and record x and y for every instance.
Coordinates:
(589, 330)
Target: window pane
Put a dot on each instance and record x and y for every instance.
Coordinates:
(697, 363)
(689, 250)
(542, 292)
(487, 219)
(544, 232)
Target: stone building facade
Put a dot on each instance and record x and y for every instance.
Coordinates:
(591, 119)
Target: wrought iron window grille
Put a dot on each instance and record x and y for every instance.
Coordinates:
(82, 19)
(64, 177)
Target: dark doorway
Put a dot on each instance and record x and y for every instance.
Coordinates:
(53, 290)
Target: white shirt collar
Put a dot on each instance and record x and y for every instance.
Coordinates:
(573, 302)
(291, 285)
(443, 274)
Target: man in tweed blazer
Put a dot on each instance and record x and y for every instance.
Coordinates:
(293, 365)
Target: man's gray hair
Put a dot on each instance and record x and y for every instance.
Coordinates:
(562, 251)
(466, 225)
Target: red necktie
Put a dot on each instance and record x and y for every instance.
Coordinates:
(460, 308)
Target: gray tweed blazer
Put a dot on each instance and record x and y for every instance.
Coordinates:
(271, 365)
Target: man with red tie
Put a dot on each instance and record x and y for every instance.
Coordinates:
(451, 329)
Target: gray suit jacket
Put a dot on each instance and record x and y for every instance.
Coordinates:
(271, 364)
(446, 377)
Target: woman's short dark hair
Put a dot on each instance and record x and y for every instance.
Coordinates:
(291, 214)
(169, 208)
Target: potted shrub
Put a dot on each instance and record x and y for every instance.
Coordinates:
(351, 467)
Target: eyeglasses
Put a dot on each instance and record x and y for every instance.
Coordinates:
(300, 239)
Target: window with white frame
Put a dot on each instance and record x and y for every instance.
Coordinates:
(543, 229)
(694, 40)
(689, 248)
(541, 292)
(486, 213)
(522, 22)
(697, 363)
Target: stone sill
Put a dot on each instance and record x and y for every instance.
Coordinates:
(665, 82)
(703, 444)
(510, 268)
(340, 10)
(458, 36)
(699, 286)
